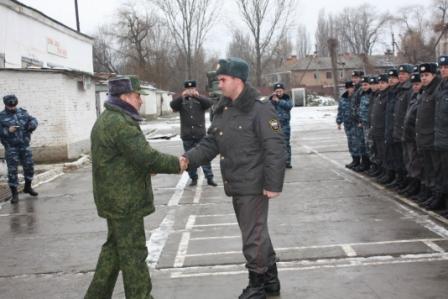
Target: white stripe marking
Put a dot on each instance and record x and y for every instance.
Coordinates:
(175, 198)
(190, 222)
(215, 215)
(434, 246)
(198, 193)
(216, 224)
(182, 250)
(349, 251)
(214, 238)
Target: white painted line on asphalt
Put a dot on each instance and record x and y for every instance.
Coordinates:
(306, 265)
(214, 238)
(198, 193)
(343, 176)
(349, 251)
(215, 215)
(182, 250)
(175, 198)
(347, 248)
(159, 236)
(216, 224)
(434, 246)
(430, 224)
(190, 222)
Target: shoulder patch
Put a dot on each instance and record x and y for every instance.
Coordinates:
(274, 124)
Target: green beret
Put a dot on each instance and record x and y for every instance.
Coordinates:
(235, 67)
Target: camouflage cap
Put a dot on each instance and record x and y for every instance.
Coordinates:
(122, 85)
(235, 67)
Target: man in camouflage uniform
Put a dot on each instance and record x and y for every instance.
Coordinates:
(356, 132)
(247, 135)
(344, 118)
(122, 164)
(365, 96)
(283, 105)
(15, 134)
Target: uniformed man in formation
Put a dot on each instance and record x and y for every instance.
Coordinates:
(403, 118)
(17, 125)
(247, 134)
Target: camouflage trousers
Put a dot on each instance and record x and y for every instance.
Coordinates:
(287, 132)
(355, 139)
(125, 250)
(15, 156)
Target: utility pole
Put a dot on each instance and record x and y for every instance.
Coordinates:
(77, 16)
(332, 45)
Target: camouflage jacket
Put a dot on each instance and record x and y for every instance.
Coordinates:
(283, 108)
(24, 123)
(122, 163)
(364, 107)
(247, 134)
(344, 111)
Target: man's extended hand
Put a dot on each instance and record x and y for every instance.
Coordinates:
(270, 194)
(183, 163)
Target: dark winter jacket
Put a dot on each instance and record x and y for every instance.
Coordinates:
(192, 115)
(441, 117)
(424, 124)
(247, 134)
(409, 119)
(283, 108)
(390, 115)
(401, 105)
(378, 114)
(344, 115)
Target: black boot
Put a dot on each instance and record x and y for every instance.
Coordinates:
(388, 178)
(365, 164)
(356, 163)
(14, 195)
(194, 182)
(414, 188)
(210, 182)
(28, 189)
(436, 203)
(255, 289)
(272, 284)
(350, 165)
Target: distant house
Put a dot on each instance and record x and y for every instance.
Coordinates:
(314, 72)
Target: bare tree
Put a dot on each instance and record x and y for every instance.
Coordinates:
(303, 43)
(267, 21)
(105, 58)
(189, 22)
(361, 27)
(241, 46)
(322, 34)
(417, 40)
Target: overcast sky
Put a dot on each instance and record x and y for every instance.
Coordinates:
(97, 12)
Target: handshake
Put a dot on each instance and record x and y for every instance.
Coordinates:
(183, 163)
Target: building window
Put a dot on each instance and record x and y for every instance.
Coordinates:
(29, 62)
(329, 75)
(2, 60)
(316, 75)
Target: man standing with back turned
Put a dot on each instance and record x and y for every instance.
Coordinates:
(122, 164)
(247, 134)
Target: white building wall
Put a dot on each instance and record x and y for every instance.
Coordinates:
(26, 33)
(65, 113)
(80, 115)
(149, 106)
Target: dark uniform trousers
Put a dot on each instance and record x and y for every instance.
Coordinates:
(15, 156)
(286, 128)
(431, 167)
(125, 250)
(252, 215)
(396, 158)
(443, 178)
(412, 160)
(206, 168)
(380, 150)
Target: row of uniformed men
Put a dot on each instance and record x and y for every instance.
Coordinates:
(397, 130)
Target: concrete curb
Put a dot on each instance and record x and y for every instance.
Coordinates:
(51, 174)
